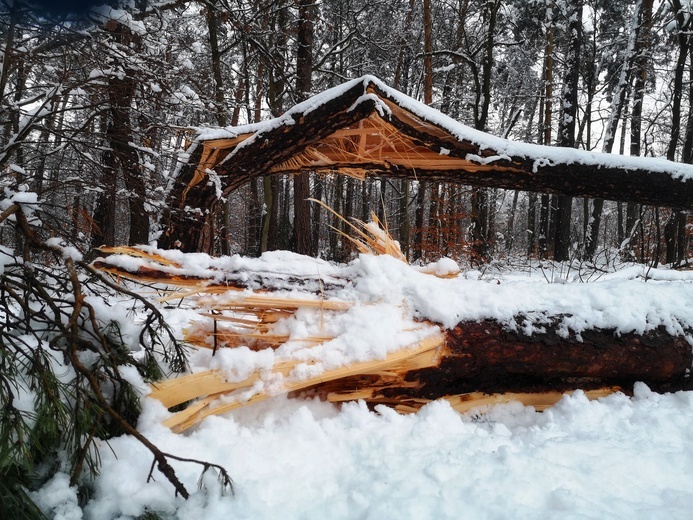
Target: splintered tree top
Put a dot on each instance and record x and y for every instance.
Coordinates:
(365, 127)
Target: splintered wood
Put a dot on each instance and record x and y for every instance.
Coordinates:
(222, 396)
(229, 315)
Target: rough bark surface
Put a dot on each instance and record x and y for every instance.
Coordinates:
(489, 358)
(486, 355)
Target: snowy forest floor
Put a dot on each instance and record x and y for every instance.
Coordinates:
(617, 457)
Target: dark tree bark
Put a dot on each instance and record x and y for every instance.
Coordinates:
(592, 231)
(304, 73)
(419, 220)
(121, 93)
(122, 157)
(674, 230)
(404, 222)
(269, 204)
(103, 218)
(402, 54)
(531, 223)
(490, 358)
(510, 232)
(641, 63)
(566, 125)
(545, 135)
(419, 223)
(683, 25)
(212, 23)
(428, 53)
(480, 201)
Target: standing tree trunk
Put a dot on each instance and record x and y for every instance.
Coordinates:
(404, 223)
(544, 213)
(318, 191)
(304, 73)
(266, 217)
(121, 93)
(428, 99)
(510, 232)
(674, 230)
(566, 125)
(683, 25)
(480, 204)
(419, 220)
(103, 218)
(276, 86)
(428, 53)
(121, 157)
(220, 109)
(212, 22)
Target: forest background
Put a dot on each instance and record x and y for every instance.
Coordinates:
(98, 109)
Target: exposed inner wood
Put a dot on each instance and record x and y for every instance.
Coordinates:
(352, 138)
(213, 152)
(540, 401)
(222, 402)
(373, 142)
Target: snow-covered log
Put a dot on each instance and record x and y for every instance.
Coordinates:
(385, 332)
(364, 127)
(483, 358)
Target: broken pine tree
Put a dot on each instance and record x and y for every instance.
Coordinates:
(304, 326)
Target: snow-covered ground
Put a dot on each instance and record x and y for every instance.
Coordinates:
(618, 457)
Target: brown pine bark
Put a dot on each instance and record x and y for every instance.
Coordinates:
(428, 53)
(485, 357)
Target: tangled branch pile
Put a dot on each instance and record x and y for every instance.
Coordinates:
(70, 365)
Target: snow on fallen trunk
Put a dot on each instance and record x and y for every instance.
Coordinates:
(381, 330)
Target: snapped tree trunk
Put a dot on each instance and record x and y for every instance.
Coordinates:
(484, 356)
(481, 358)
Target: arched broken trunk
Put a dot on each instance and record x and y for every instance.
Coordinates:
(366, 128)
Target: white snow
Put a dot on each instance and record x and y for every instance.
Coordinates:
(106, 13)
(58, 499)
(66, 250)
(619, 457)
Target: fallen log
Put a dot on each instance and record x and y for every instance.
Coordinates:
(144, 265)
(487, 358)
(220, 397)
(532, 357)
(489, 355)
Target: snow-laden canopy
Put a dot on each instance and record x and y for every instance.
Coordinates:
(363, 127)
